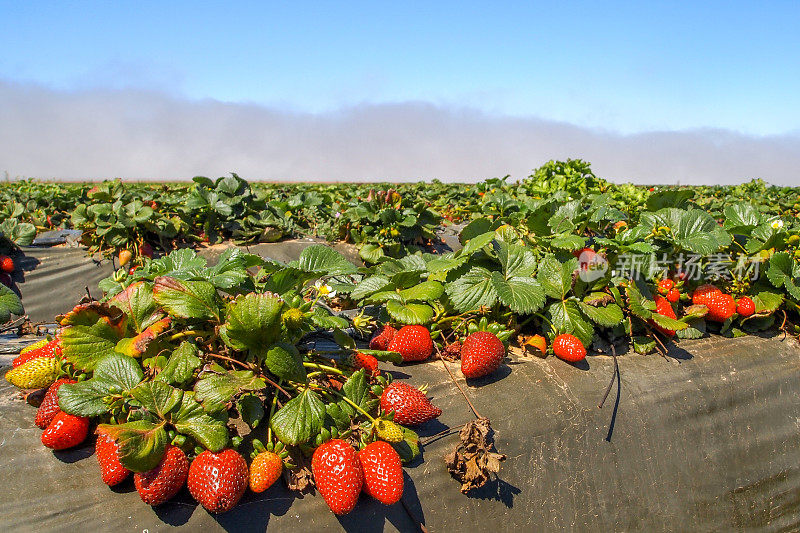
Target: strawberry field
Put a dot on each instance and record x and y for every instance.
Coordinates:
(217, 380)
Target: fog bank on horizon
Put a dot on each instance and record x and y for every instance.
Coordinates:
(146, 135)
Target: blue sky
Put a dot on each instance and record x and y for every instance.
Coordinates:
(624, 67)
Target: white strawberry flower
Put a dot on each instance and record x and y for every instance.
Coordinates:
(776, 224)
(323, 289)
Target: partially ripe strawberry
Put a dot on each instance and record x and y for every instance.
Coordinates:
(265, 470)
(382, 337)
(47, 349)
(48, 409)
(162, 483)
(665, 285)
(409, 404)
(413, 343)
(65, 431)
(338, 475)
(218, 480)
(481, 354)
(673, 295)
(664, 308)
(125, 257)
(569, 348)
(106, 450)
(745, 306)
(383, 472)
(6, 264)
(720, 307)
(361, 360)
(35, 374)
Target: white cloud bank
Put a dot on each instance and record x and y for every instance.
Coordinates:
(95, 134)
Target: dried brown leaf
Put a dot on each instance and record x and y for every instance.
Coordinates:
(475, 459)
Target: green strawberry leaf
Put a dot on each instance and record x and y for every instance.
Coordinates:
(357, 390)
(187, 299)
(371, 285)
(476, 243)
(382, 355)
(607, 317)
(409, 313)
(181, 364)
(216, 391)
(157, 397)
(668, 323)
(209, 430)
(767, 302)
(566, 317)
(85, 346)
(9, 304)
(251, 409)
(556, 278)
(284, 360)
(472, 290)
(137, 302)
(524, 295)
(85, 398)
(323, 260)
(643, 345)
(299, 419)
(141, 443)
(427, 291)
(252, 321)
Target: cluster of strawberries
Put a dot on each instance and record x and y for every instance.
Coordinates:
(721, 306)
(219, 480)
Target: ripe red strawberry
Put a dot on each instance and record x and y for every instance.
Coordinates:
(265, 470)
(106, 450)
(665, 285)
(146, 250)
(569, 348)
(664, 308)
(160, 484)
(414, 343)
(481, 354)
(338, 475)
(49, 407)
(586, 256)
(49, 349)
(673, 295)
(218, 480)
(6, 264)
(361, 360)
(409, 404)
(746, 306)
(382, 337)
(65, 431)
(383, 472)
(701, 293)
(720, 307)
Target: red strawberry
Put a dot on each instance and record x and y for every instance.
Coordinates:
(106, 450)
(160, 484)
(745, 306)
(362, 360)
(481, 354)
(218, 480)
(409, 404)
(51, 349)
(586, 256)
(338, 475)
(664, 308)
(382, 337)
(673, 295)
(65, 431)
(701, 293)
(265, 470)
(383, 472)
(665, 285)
(6, 264)
(49, 407)
(569, 348)
(414, 343)
(720, 306)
